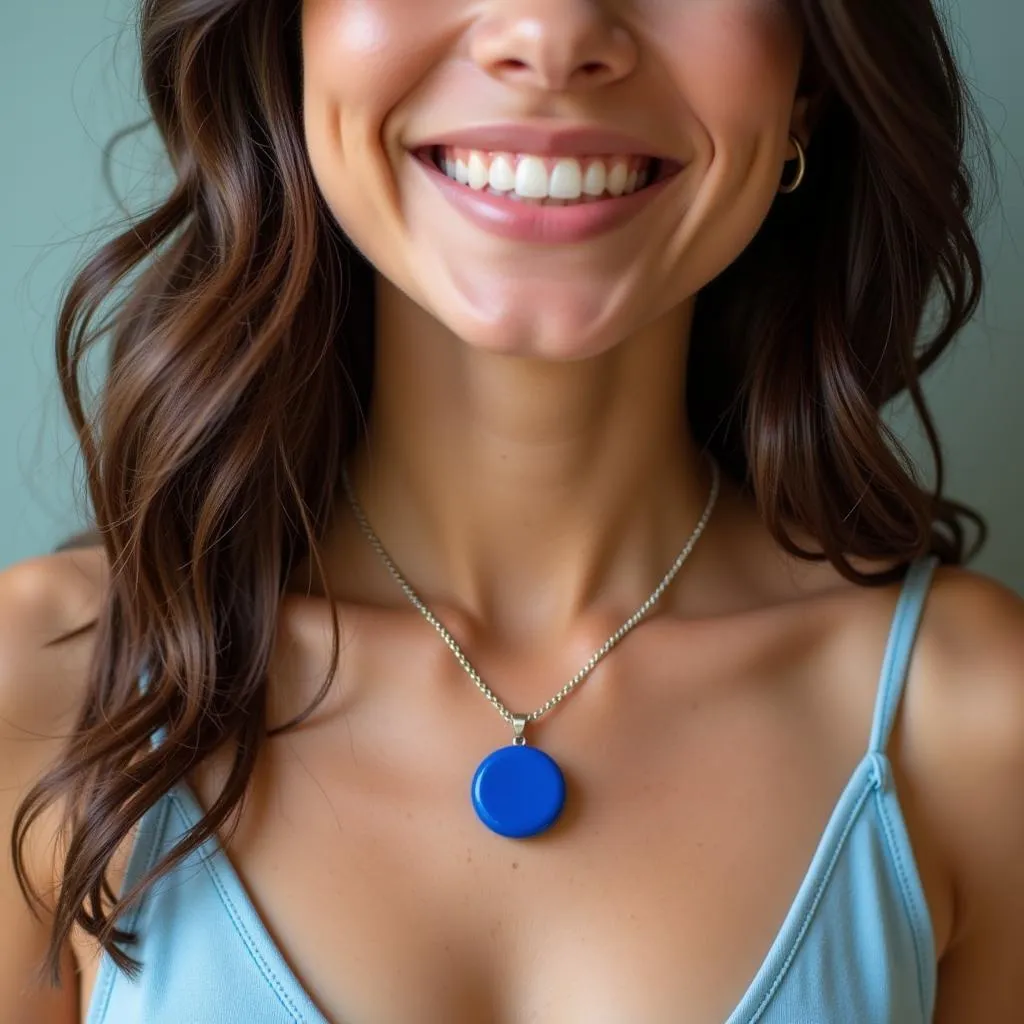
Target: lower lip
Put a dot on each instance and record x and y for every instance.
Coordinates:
(550, 225)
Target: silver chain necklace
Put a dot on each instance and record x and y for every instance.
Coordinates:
(519, 791)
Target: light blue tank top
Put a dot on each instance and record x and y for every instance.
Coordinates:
(856, 946)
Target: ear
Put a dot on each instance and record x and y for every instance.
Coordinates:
(814, 97)
(800, 123)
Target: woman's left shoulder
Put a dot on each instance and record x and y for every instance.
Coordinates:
(969, 671)
(972, 635)
(965, 750)
(969, 668)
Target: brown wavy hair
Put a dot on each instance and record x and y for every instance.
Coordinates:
(241, 367)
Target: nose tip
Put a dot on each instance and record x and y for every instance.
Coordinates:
(554, 45)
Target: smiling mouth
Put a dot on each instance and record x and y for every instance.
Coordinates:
(549, 180)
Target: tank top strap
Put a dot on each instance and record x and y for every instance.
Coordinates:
(898, 650)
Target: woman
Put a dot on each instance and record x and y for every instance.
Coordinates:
(561, 327)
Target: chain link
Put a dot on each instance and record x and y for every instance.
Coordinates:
(595, 658)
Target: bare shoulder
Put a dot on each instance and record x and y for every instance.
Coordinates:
(42, 686)
(46, 605)
(42, 601)
(990, 613)
(965, 746)
(971, 651)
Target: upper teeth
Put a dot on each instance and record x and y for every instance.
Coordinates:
(536, 177)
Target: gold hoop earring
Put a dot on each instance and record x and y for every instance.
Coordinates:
(800, 155)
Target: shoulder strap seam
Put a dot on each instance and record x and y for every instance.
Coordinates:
(210, 861)
(921, 942)
(820, 890)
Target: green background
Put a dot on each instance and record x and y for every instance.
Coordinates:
(68, 75)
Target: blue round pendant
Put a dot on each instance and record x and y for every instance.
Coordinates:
(518, 791)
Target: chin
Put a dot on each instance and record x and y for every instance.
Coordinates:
(561, 320)
(562, 335)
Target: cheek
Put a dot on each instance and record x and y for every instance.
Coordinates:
(355, 60)
(348, 53)
(361, 57)
(734, 63)
(362, 61)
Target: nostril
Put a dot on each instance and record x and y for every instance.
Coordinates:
(512, 64)
(592, 67)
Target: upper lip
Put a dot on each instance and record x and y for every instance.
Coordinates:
(544, 140)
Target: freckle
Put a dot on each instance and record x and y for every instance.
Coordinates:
(515, 866)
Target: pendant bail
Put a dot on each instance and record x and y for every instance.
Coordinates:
(519, 724)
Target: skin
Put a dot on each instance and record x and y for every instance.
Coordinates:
(579, 433)
(528, 468)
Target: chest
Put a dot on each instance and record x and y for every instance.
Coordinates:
(688, 828)
(695, 802)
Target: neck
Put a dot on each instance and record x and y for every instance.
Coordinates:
(524, 491)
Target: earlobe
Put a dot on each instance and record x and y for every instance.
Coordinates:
(801, 169)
